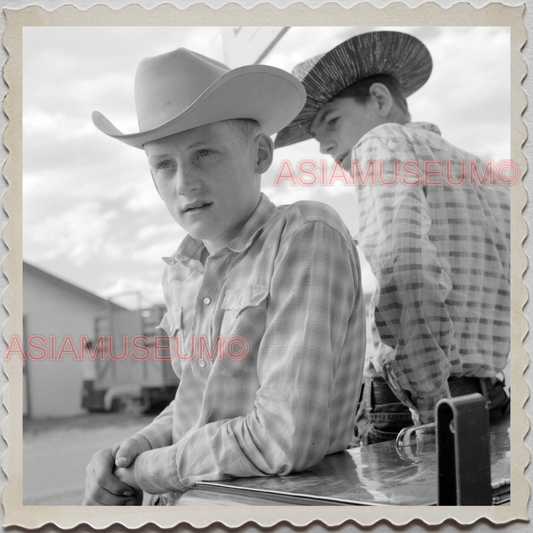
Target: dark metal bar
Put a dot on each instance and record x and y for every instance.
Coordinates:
(463, 451)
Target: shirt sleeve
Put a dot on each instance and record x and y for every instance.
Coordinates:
(312, 302)
(159, 432)
(411, 315)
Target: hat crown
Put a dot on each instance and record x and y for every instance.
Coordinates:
(182, 90)
(168, 84)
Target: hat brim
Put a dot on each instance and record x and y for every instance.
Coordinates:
(266, 94)
(396, 54)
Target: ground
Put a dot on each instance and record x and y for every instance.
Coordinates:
(57, 451)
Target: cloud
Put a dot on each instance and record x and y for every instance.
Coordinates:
(91, 213)
(74, 234)
(468, 93)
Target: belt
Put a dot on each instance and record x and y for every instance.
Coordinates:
(378, 392)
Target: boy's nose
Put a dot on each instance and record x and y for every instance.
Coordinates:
(186, 181)
(327, 146)
(326, 143)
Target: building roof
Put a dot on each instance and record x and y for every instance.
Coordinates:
(27, 267)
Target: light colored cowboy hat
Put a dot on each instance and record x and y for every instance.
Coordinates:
(399, 55)
(181, 90)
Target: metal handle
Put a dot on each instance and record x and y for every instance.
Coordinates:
(406, 433)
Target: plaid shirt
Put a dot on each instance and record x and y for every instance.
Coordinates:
(441, 257)
(289, 284)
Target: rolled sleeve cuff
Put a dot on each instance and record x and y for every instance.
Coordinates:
(155, 437)
(155, 472)
(143, 441)
(426, 406)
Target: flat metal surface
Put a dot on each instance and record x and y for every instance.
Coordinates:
(371, 475)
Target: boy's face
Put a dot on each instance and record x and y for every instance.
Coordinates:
(208, 180)
(340, 124)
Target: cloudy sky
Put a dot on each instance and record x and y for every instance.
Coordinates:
(91, 213)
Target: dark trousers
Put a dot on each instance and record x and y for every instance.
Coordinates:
(381, 416)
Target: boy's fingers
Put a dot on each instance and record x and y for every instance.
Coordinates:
(101, 481)
(106, 481)
(106, 498)
(127, 452)
(101, 485)
(123, 461)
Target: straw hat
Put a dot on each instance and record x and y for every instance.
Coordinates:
(181, 90)
(397, 54)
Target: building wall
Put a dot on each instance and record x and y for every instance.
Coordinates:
(52, 307)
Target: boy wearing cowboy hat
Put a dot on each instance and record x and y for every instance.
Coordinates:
(283, 281)
(437, 243)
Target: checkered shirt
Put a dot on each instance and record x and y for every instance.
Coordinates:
(289, 283)
(440, 253)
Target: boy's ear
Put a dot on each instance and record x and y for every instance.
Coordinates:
(265, 153)
(382, 96)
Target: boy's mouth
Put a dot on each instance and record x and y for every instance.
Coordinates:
(196, 207)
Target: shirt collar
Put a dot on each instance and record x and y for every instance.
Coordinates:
(262, 214)
(412, 125)
(190, 251)
(425, 126)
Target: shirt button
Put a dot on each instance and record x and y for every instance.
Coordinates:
(207, 300)
(202, 363)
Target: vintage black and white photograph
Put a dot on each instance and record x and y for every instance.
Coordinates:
(266, 266)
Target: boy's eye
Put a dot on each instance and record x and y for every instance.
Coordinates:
(333, 121)
(164, 165)
(203, 153)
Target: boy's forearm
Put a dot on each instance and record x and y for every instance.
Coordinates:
(158, 434)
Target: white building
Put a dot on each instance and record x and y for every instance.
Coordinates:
(55, 310)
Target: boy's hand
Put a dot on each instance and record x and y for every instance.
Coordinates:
(102, 487)
(127, 476)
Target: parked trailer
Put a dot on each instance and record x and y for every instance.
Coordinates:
(132, 367)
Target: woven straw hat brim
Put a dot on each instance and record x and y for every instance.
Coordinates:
(266, 94)
(397, 54)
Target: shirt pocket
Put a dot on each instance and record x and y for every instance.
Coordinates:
(243, 327)
(237, 300)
